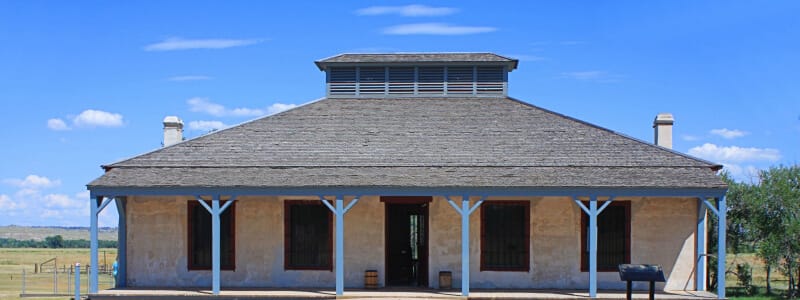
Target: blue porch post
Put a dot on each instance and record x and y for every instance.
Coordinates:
(592, 212)
(215, 210)
(700, 260)
(339, 210)
(122, 243)
(593, 247)
(465, 211)
(215, 245)
(96, 205)
(93, 259)
(722, 212)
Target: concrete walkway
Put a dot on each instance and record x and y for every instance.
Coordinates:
(383, 293)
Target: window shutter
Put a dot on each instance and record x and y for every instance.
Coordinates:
(342, 81)
(372, 80)
(459, 80)
(401, 80)
(431, 80)
(490, 81)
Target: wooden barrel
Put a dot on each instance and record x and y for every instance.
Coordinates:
(371, 279)
(445, 280)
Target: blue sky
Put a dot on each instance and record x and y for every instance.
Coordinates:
(88, 83)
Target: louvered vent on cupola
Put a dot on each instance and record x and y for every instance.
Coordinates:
(417, 75)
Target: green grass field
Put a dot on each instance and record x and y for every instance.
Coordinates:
(14, 260)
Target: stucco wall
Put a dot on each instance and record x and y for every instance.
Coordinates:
(662, 232)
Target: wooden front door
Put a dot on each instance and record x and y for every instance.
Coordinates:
(407, 240)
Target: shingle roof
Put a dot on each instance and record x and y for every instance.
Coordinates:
(430, 142)
(417, 58)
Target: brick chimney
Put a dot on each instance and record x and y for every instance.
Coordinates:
(173, 131)
(663, 130)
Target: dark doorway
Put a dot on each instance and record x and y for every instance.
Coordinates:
(407, 240)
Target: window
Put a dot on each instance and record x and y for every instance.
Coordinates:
(505, 236)
(307, 236)
(613, 237)
(199, 220)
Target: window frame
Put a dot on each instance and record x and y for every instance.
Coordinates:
(192, 204)
(287, 222)
(585, 235)
(527, 242)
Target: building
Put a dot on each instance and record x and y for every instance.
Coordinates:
(434, 168)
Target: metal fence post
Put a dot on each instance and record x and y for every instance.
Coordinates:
(23, 281)
(55, 278)
(77, 281)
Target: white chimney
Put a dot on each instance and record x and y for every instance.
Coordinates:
(663, 129)
(173, 130)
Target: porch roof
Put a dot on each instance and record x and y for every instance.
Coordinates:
(415, 58)
(414, 142)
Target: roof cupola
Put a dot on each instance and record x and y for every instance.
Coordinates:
(417, 75)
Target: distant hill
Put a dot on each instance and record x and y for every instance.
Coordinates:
(38, 233)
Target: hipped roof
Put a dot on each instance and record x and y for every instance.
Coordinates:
(414, 142)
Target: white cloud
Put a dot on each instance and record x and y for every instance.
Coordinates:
(413, 10)
(189, 78)
(748, 173)
(206, 125)
(436, 29)
(62, 201)
(57, 124)
(728, 134)
(7, 204)
(97, 118)
(689, 138)
(279, 107)
(172, 44)
(735, 154)
(33, 182)
(218, 110)
(29, 206)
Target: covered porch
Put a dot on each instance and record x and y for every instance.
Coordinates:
(591, 202)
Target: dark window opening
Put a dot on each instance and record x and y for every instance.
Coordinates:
(307, 236)
(505, 236)
(199, 221)
(613, 237)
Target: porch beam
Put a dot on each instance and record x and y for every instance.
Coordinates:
(499, 191)
(722, 219)
(122, 243)
(465, 212)
(339, 211)
(711, 207)
(700, 242)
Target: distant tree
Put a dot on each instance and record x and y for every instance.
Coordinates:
(54, 241)
(777, 221)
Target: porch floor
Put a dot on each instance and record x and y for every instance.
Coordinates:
(382, 293)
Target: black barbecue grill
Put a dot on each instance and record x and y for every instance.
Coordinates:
(651, 273)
